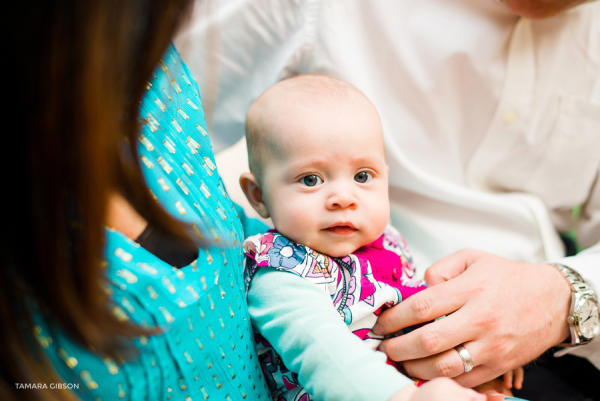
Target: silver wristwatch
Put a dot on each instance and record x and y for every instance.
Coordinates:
(583, 319)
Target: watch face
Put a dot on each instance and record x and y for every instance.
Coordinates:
(589, 322)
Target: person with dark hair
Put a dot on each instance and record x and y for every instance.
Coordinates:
(86, 311)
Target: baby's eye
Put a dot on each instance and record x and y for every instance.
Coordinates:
(311, 180)
(363, 177)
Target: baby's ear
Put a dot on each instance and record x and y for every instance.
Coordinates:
(253, 193)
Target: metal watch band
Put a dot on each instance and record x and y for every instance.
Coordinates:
(579, 290)
(575, 281)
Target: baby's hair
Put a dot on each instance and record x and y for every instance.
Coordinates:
(301, 90)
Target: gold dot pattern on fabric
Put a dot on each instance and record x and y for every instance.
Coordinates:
(43, 340)
(160, 104)
(202, 131)
(123, 255)
(176, 125)
(147, 162)
(186, 79)
(163, 184)
(69, 360)
(204, 190)
(152, 292)
(193, 292)
(147, 268)
(175, 86)
(167, 94)
(120, 314)
(165, 165)
(180, 208)
(88, 381)
(112, 367)
(128, 276)
(127, 305)
(121, 391)
(146, 143)
(207, 169)
(169, 145)
(183, 114)
(150, 118)
(167, 283)
(168, 316)
(204, 343)
(187, 168)
(193, 145)
(183, 187)
(198, 234)
(188, 101)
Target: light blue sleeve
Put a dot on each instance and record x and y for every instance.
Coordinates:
(298, 319)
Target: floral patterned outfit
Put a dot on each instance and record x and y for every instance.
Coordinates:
(361, 285)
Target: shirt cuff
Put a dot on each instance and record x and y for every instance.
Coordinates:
(587, 264)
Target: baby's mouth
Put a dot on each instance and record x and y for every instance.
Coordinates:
(341, 229)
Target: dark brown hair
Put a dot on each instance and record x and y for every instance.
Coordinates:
(78, 70)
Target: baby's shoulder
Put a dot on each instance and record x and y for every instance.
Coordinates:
(272, 250)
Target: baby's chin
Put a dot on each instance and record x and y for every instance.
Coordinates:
(336, 250)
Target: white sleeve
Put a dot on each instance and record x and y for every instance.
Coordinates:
(587, 263)
(587, 226)
(236, 50)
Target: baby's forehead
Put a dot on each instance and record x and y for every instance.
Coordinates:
(311, 90)
(293, 105)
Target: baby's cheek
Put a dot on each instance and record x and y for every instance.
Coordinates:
(293, 223)
(379, 216)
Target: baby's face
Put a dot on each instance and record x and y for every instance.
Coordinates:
(325, 183)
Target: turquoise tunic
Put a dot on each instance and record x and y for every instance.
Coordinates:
(207, 348)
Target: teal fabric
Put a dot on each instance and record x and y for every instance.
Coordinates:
(207, 348)
(332, 364)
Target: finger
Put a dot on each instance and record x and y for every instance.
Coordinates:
(479, 374)
(494, 396)
(496, 386)
(445, 389)
(450, 266)
(431, 339)
(485, 387)
(446, 364)
(422, 307)
(519, 377)
(508, 379)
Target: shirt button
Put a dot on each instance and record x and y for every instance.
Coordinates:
(509, 117)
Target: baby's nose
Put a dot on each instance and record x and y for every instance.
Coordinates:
(341, 200)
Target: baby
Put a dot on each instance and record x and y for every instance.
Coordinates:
(318, 170)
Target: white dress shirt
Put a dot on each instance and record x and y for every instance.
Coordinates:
(491, 121)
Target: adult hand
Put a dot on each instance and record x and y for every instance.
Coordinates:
(540, 9)
(443, 389)
(505, 313)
